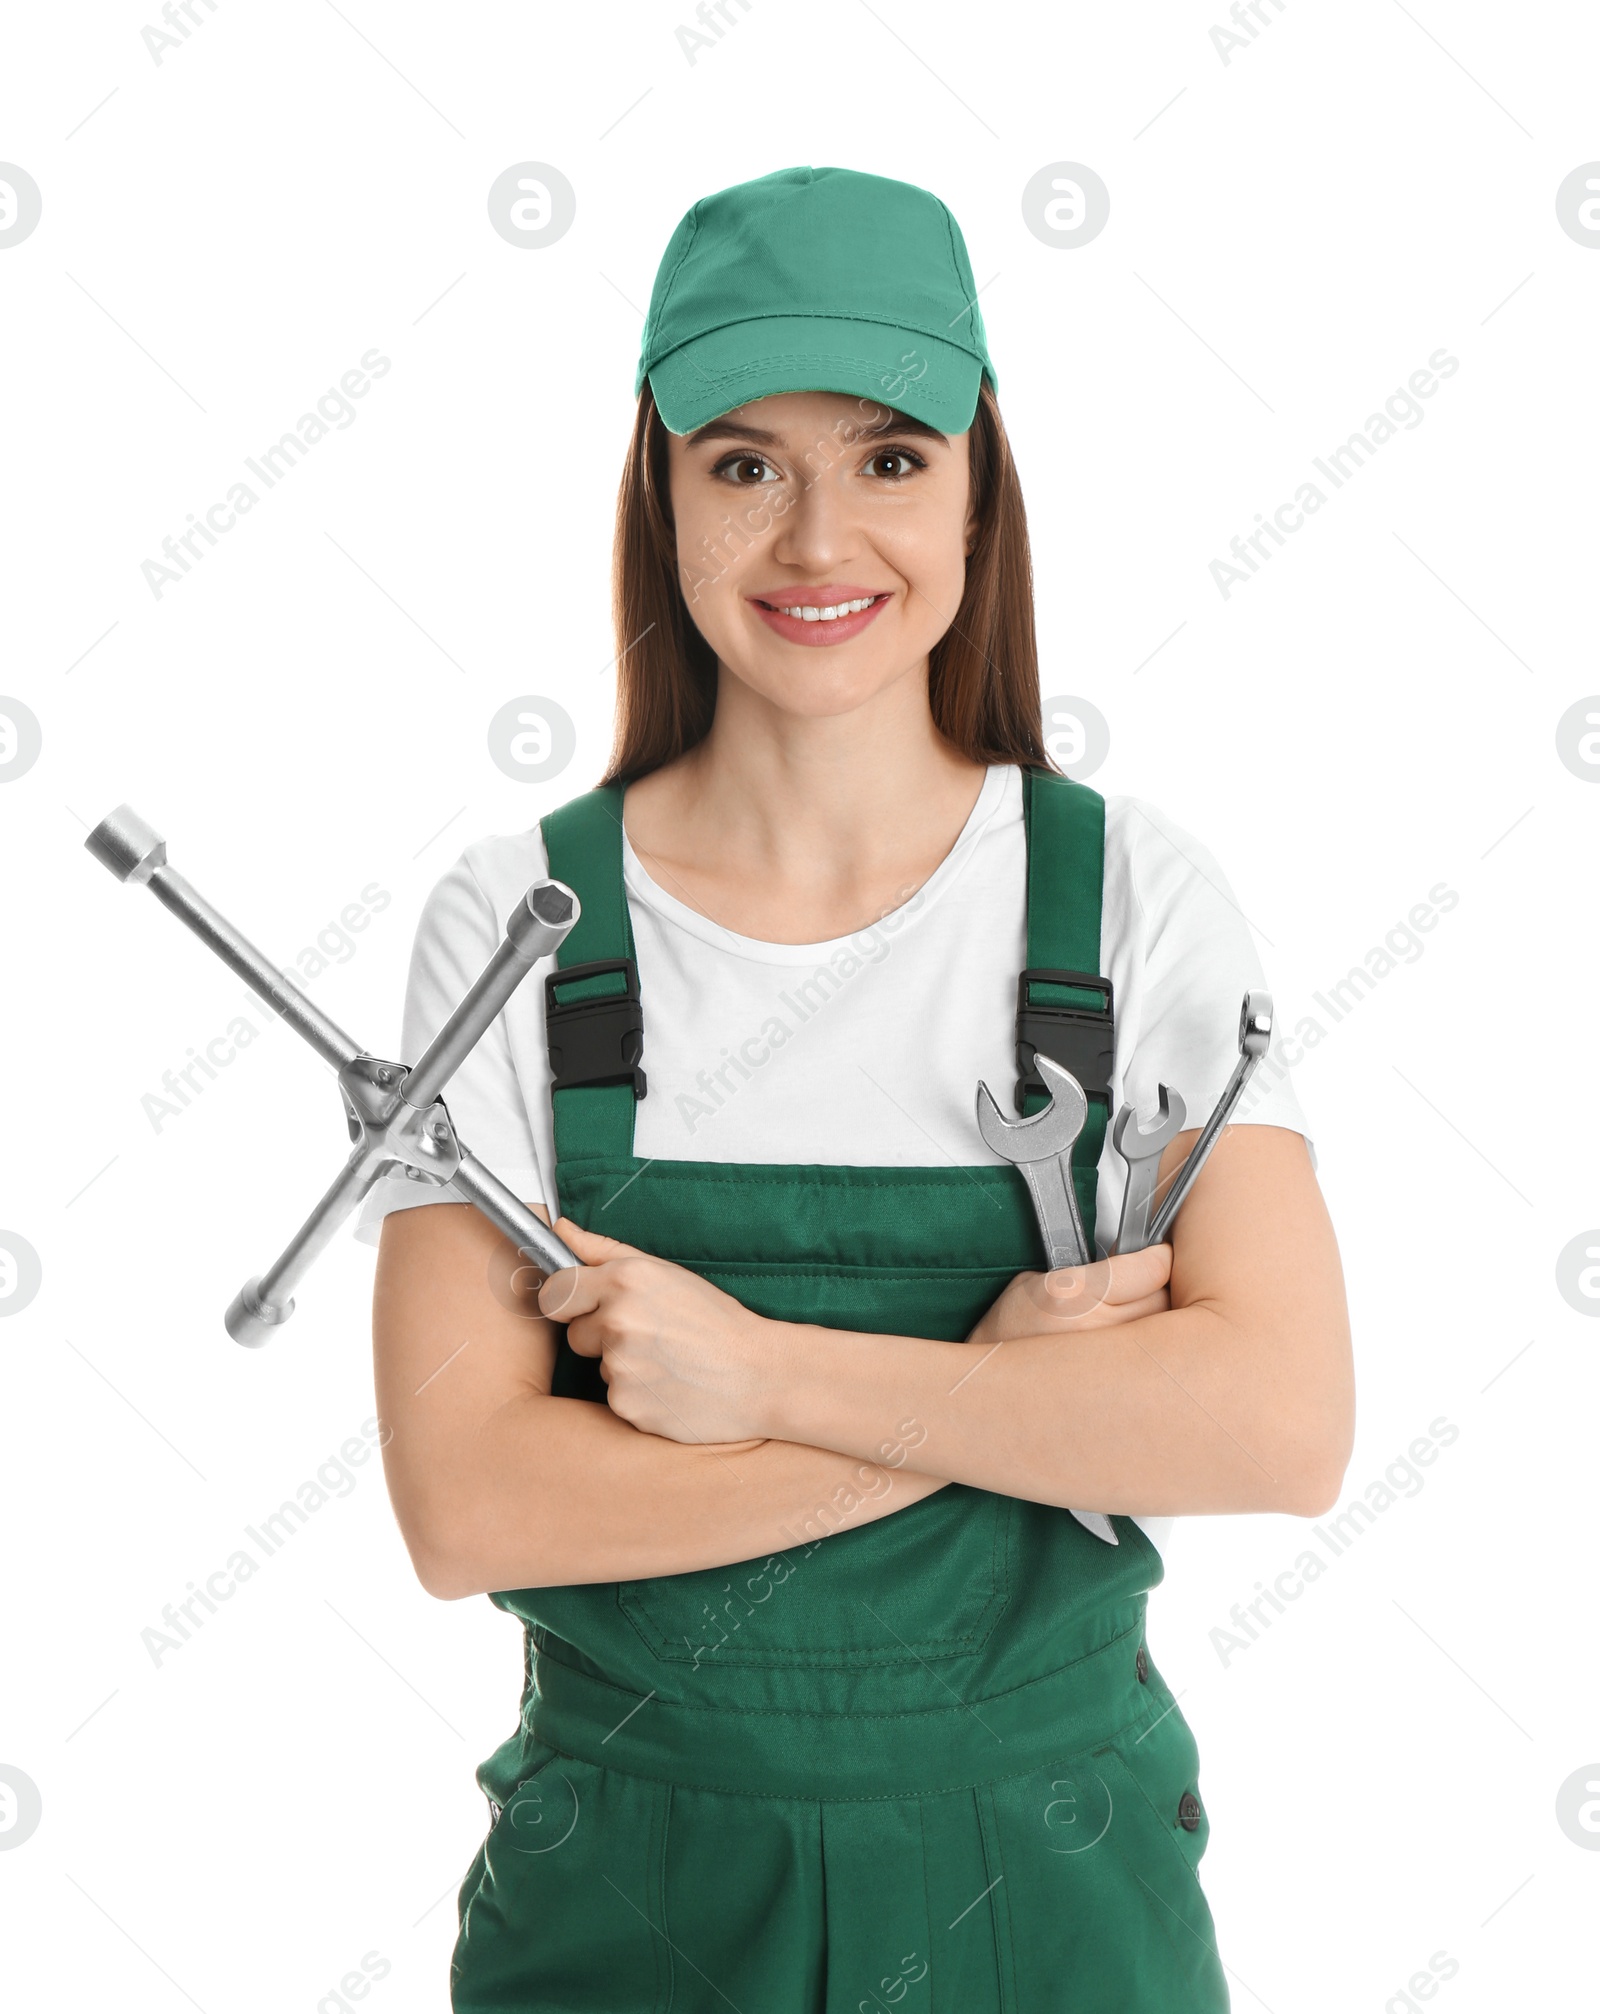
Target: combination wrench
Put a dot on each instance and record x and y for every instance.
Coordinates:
(1141, 1148)
(1041, 1147)
(1255, 1036)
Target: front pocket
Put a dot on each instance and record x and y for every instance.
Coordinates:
(568, 1908)
(927, 1582)
(1154, 1773)
(1099, 1908)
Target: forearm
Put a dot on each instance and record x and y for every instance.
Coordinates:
(564, 1492)
(1177, 1412)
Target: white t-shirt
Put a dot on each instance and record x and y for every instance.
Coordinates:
(865, 1050)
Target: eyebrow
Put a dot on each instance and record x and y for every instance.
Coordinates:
(728, 428)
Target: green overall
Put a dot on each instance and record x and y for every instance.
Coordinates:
(923, 1764)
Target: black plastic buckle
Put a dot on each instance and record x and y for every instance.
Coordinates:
(1080, 1039)
(597, 1041)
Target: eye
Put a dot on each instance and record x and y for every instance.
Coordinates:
(894, 464)
(745, 470)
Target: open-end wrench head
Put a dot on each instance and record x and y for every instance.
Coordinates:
(1255, 1024)
(1066, 1093)
(1135, 1141)
(991, 1121)
(1042, 1134)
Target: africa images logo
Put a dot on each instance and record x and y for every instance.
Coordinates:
(1402, 410)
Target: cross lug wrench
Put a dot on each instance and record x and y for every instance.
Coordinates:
(394, 1116)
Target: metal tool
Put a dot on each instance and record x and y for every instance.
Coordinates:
(1141, 1147)
(1041, 1146)
(395, 1117)
(1255, 1036)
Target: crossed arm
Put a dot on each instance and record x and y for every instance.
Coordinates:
(1209, 1375)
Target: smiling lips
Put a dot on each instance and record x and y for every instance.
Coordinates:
(819, 615)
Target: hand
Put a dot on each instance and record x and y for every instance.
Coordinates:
(1098, 1296)
(680, 1358)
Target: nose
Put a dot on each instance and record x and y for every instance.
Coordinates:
(818, 530)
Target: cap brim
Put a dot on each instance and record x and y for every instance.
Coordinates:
(934, 381)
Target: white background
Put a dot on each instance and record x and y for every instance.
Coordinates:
(1292, 233)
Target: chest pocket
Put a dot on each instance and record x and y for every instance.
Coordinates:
(921, 1584)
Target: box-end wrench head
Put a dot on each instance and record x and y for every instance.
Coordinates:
(1040, 1146)
(1255, 1037)
(1141, 1147)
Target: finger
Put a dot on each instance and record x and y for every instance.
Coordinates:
(574, 1290)
(1129, 1275)
(1134, 1311)
(1060, 1298)
(1137, 1273)
(570, 1292)
(585, 1340)
(1075, 1290)
(591, 1246)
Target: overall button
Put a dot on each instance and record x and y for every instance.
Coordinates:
(1141, 1666)
(1189, 1811)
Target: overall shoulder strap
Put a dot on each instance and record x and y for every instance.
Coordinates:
(594, 1023)
(1064, 1003)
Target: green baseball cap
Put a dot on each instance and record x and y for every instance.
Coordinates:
(815, 280)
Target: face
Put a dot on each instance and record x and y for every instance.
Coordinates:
(822, 544)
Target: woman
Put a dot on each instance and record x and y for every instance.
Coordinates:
(830, 1703)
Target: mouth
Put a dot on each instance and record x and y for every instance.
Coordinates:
(819, 616)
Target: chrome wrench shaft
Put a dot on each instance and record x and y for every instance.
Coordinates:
(1141, 1148)
(1255, 1036)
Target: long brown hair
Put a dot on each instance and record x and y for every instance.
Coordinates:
(983, 673)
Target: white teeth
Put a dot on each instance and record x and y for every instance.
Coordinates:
(809, 611)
